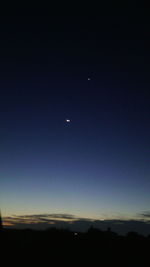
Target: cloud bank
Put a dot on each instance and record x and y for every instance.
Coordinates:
(74, 223)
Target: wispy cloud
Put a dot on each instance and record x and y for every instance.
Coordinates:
(145, 214)
(39, 218)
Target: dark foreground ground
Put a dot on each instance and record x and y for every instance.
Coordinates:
(61, 247)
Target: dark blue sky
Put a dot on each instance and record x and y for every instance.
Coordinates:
(98, 165)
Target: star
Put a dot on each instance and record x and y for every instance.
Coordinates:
(68, 120)
(89, 79)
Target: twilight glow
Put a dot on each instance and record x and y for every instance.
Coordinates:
(71, 145)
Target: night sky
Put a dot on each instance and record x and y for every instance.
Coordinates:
(92, 69)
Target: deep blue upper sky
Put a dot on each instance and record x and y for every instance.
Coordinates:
(97, 165)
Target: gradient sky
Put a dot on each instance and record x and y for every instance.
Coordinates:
(97, 166)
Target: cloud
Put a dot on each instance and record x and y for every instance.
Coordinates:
(145, 214)
(74, 223)
(46, 215)
(38, 218)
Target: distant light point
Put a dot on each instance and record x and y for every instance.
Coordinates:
(89, 79)
(68, 120)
